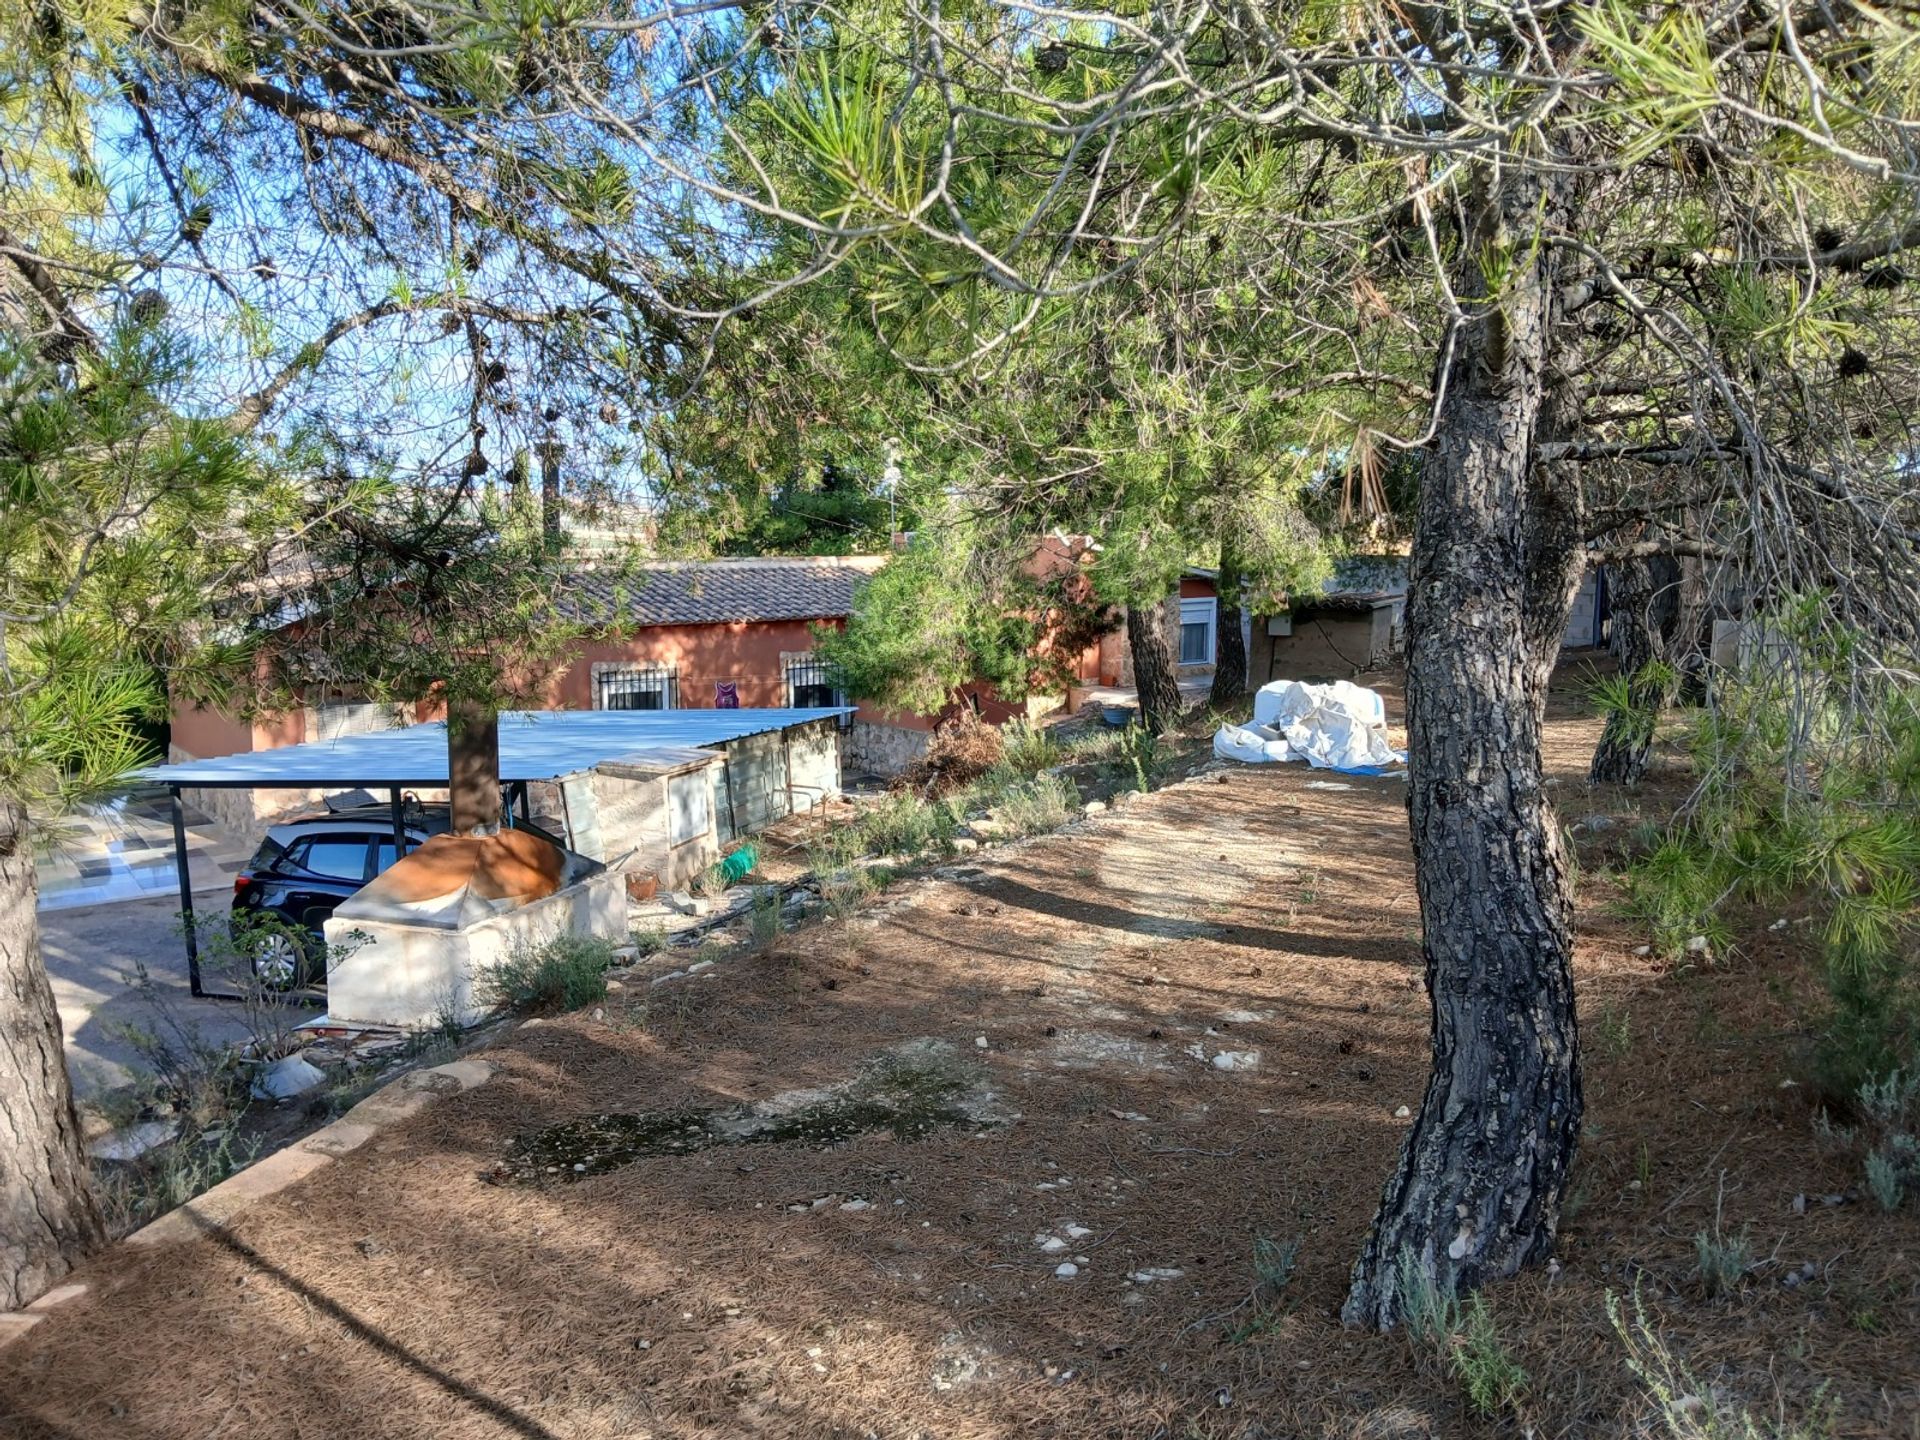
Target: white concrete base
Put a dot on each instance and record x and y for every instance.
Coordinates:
(411, 975)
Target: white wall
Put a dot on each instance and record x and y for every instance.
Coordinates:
(413, 975)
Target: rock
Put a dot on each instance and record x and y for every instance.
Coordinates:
(980, 1042)
(1237, 1060)
(1596, 823)
(1643, 949)
(1153, 1273)
(965, 845)
(1698, 945)
(1094, 807)
(857, 1205)
(1052, 1244)
(614, 987)
(1077, 1232)
(289, 1075)
(133, 1142)
(1403, 1113)
(1065, 1270)
(1779, 924)
(599, 1012)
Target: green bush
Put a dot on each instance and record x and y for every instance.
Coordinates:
(905, 824)
(568, 972)
(1027, 748)
(1037, 806)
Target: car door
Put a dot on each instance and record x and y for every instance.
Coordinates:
(321, 871)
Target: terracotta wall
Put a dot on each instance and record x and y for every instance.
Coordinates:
(750, 655)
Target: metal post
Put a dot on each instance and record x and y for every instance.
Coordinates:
(399, 826)
(186, 891)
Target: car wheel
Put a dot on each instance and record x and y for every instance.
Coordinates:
(279, 961)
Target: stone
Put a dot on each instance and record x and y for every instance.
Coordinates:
(1237, 1060)
(289, 1075)
(1403, 1113)
(15, 1323)
(1643, 949)
(58, 1296)
(132, 1142)
(857, 1205)
(1094, 807)
(1154, 1273)
(1052, 1244)
(1698, 945)
(965, 845)
(1065, 1270)
(980, 1042)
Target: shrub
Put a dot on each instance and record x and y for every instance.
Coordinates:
(1684, 1408)
(1037, 806)
(131, 1193)
(565, 973)
(1889, 1117)
(1027, 748)
(1463, 1339)
(764, 919)
(960, 752)
(905, 824)
(1810, 789)
(1491, 1377)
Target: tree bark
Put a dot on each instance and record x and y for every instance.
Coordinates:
(1477, 1190)
(1229, 645)
(1644, 612)
(1153, 673)
(48, 1219)
(473, 767)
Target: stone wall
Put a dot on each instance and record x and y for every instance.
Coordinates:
(875, 749)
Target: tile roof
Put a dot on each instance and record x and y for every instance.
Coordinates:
(715, 592)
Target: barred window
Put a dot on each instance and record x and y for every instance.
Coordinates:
(645, 686)
(810, 686)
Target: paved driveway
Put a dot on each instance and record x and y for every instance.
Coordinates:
(90, 953)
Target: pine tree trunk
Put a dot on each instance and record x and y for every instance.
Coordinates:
(48, 1219)
(1477, 1190)
(1643, 612)
(473, 767)
(1229, 645)
(1153, 672)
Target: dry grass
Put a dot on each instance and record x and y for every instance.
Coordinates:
(397, 1294)
(961, 751)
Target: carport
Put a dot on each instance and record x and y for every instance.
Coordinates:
(535, 745)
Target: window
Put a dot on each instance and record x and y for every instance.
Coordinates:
(1196, 632)
(383, 856)
(636, 687)
(333, 857)
(810, 686)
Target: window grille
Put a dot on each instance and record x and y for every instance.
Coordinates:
(637, 687)
(810, 685)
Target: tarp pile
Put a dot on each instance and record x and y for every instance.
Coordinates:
(1341, 727)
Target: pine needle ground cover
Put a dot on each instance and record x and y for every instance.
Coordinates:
(1095, 1254)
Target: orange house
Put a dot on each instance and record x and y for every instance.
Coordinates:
(690, 635)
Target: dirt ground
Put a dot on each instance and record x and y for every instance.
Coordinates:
(894, 1287)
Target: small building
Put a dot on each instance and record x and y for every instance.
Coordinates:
(1356, 623)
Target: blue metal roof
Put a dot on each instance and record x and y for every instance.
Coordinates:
(534, 745)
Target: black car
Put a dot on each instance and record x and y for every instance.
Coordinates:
(304, 868)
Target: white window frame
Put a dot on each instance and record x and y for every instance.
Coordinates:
(1200, 610)
(663, 677)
